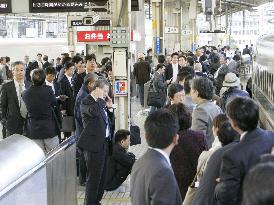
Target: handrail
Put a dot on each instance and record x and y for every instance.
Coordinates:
(63, 146)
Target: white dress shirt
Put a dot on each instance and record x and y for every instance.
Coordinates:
(242, 135)
(175, 72)
(163, 153)
(51, 85)
(17, 89)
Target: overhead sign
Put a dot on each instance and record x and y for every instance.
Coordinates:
(158, 45)
(5, 6)
(93, 36)
(121, 88)
(62, 5)
(171, 30)
(58, 5)
(186, 32)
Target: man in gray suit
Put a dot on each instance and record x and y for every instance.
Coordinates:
(205, 111)
(152, 179)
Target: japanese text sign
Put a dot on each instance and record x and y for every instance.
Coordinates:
(93, 36)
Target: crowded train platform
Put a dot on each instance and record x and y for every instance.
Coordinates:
(136, 102)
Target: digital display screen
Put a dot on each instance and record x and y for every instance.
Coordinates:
(44, 6)
(5, 6)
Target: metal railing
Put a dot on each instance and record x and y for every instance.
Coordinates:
(52, 181)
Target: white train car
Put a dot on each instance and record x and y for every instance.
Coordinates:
(263, 80)
(16, 49)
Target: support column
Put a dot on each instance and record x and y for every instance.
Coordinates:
(121, 16)
(157, 26)
(71, 40)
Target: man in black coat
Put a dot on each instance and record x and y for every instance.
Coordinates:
(13, 109)
(40, 102)
(79, 75)
(173, 69)
(236, 162)
(95, 139)
(141, 71)
(46, 62)
(66, 85)
(121, 161)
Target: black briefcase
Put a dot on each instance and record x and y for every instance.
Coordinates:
(68, 124)
(135, 135)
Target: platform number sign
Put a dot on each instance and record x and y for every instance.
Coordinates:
(171, 29)
(5, 6)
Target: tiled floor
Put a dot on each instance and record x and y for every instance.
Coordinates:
(115, 197)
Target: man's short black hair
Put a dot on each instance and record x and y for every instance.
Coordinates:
(45, 58)
(149, 50)
(50, 70)
(173, 89)
(66, 59)
(105, 60)
(121, 135)
(187, 84)
(204, 87)
(258, 185)
(161, 127)
(76, 59)
(182, 56)
(39, 54)
(183, 115)
(181, 76)
(160, 65)
(226, 133)
(189, 69)
(161, 58)
(190, 60)
(38, 77)
(244, 112)
(68, 65)
(174, 54)
(236, 57)
(90, 57)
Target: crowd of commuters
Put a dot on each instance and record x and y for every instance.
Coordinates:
(50, 102)
(205, 143)
(206, 136)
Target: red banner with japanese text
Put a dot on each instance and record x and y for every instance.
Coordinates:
(93, 36)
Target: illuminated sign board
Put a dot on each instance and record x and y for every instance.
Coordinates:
(5, 6)
(43, 6)
(93, 36)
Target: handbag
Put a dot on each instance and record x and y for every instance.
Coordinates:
(135, 135)
(68, 124)
(155, 99)
(191, 191)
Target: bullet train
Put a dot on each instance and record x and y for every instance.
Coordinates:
(263, 80)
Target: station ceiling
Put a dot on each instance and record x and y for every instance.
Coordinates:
(231, 5)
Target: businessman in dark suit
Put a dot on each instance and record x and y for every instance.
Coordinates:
(173, 69)
(79, 75)
(236, 162)
(66, 88)
(13, 108)
(46, 62)
(152, 179)
(95, 139)
(40, 102)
